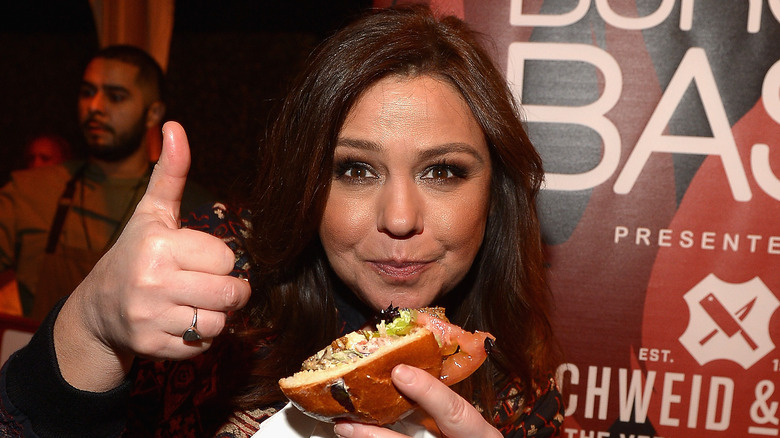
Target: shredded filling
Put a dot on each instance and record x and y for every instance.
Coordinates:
(359, 344)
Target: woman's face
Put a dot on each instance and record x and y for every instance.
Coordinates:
(410, 194)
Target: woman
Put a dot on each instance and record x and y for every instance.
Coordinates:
(398, 172)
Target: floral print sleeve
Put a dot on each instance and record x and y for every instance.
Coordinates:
(230, 225)
(541, 417)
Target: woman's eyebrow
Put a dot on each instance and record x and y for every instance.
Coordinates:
(427, 153)
(355, 143)
(451, 148)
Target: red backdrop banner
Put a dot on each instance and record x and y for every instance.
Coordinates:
(659, 125)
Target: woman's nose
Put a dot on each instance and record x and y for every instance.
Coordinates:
(400, 210)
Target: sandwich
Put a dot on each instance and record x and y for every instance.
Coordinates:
(350, 378)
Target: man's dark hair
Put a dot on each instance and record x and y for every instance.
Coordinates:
(149, 71)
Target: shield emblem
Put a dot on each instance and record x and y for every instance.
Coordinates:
(729, 321)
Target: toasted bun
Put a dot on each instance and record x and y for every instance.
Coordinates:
(362, 391)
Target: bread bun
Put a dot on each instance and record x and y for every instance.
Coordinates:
(362, 390)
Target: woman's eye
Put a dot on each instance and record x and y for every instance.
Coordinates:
(442, 172)
(356, 171)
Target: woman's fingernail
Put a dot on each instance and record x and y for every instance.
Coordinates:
(404, 374)
(344, 430)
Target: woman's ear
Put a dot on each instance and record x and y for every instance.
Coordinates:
(155, 114)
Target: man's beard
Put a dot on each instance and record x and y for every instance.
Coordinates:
(123, 147)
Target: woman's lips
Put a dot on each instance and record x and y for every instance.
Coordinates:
(400, 271)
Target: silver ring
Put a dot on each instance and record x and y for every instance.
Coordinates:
(191, 334)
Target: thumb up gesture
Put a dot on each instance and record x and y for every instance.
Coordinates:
(156, 283)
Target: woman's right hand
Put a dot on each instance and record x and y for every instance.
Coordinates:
(453, 415)
(141, 295)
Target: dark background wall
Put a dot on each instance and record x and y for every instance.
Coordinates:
(43, 48)
(230, 62)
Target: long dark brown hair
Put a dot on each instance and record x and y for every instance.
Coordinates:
(505, 292)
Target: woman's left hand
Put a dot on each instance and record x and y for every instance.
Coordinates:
(455, 417)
